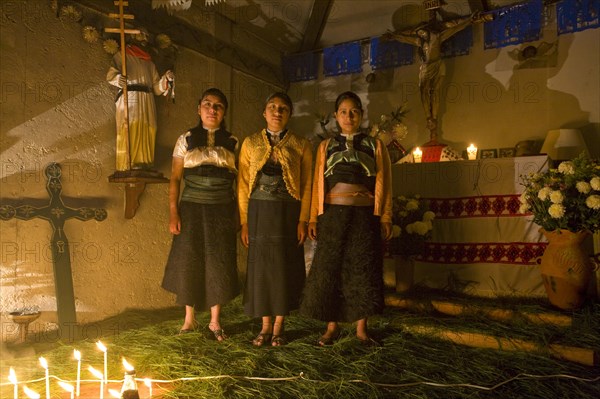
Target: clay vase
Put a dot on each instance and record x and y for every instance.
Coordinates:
(566, 268)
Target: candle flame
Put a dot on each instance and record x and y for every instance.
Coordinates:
(114, 393)
(12, 376)
(30, 393)
(128, 367)
(43, 363)
(67, 387)
(417, 151)
(147, 382)
(76, 354)
(101, 346)
(96, 373)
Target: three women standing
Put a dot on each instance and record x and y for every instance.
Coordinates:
(274, 186)
(202, 269)
(351, 212)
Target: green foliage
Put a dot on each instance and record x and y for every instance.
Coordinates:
(408, 365)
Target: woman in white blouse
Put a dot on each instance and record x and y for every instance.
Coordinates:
(202, 265)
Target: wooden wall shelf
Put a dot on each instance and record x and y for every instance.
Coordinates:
(135, 183)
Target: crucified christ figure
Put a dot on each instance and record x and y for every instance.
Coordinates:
(428, 38)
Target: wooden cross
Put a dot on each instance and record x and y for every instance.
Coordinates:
(57, 213)
(121, 16)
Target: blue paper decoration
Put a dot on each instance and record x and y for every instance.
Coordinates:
(390, 54)
(577, 15)
(459, 44)
(513, 25)
(342, 59)
(300, 67)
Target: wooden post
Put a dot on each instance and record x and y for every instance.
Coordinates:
(121, 16)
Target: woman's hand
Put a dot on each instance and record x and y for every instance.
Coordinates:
(244, 235)
(386, 231)
(175, 224)
(312, 231)
(302, 232)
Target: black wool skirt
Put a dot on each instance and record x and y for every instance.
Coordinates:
(345, 282)
(202, 265)
(275, 275)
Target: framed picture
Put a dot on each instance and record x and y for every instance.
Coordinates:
(506, 152)
(490, 153)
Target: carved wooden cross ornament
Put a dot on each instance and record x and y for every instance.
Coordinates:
(57, 213)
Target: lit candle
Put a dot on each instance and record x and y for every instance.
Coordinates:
(30, 393)
(44, 364)
(77, 356)
(127, 366)
(67, 387)
(472, 152)
(417, 155)
(99, 376)
(101, 346)
(12, 377)
(148, 383)
(114, 393)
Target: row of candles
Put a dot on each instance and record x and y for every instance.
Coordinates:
(75, 390)
(471, 153)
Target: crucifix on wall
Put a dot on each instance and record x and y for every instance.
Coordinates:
(57, 213)
(428, 38)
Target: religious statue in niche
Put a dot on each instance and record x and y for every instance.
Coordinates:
(428, 38)
(136, 120)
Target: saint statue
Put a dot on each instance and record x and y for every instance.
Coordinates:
(428, 38)
(143, 82)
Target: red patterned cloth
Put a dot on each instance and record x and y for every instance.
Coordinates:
(483, 206)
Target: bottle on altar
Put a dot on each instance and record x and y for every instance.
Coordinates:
(129, 389)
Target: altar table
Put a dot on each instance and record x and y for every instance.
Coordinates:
(481, 244)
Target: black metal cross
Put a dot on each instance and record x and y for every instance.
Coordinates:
(57, 213)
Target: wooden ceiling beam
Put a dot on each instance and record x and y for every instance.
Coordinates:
(186, 35)
(316, 24)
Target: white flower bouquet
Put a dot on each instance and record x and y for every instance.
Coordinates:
(412, 225)
(567, 197)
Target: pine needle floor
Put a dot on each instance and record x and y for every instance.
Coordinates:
(408, 365)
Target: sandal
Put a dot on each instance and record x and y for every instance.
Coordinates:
(278, 340)
(189, 330)
(328, 341)
(261, 339)
(218, 334)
